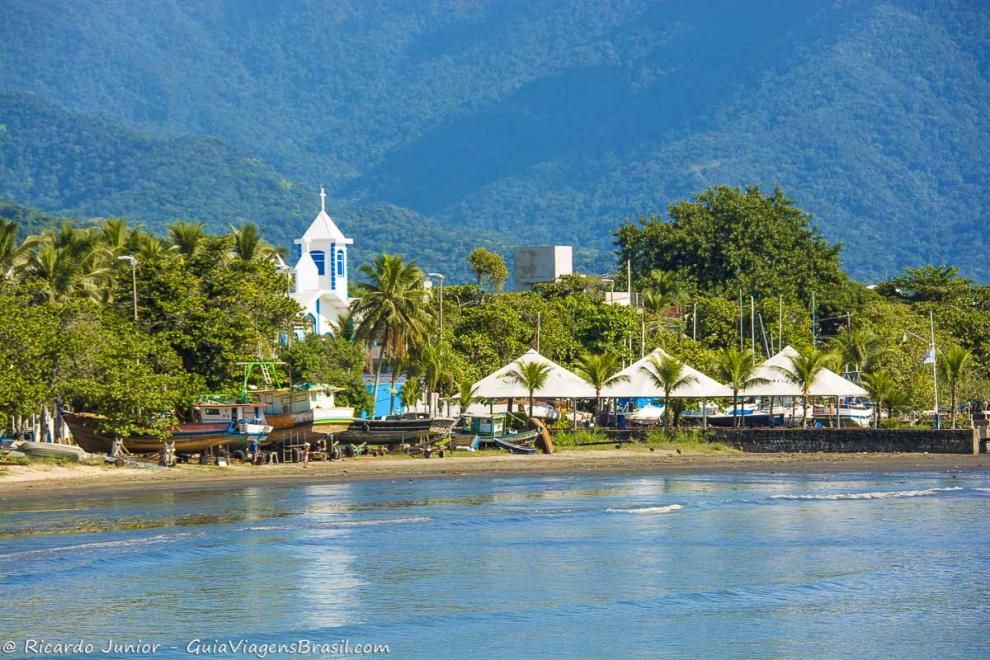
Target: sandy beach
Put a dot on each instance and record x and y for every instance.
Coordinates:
(50, 481)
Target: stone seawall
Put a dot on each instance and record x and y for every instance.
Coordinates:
(943, 441)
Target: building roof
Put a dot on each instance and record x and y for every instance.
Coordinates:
(827, 382)
(323, 228)
(561, 383)
(641, 385)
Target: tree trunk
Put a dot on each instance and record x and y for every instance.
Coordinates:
(804, 413)
(735, 409)
(666, 411)
(391, 393)
(378, 378)
(531, 403)
(953, 397)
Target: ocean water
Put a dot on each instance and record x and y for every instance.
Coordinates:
(719, 564)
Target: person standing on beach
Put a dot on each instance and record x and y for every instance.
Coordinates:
(305, 455)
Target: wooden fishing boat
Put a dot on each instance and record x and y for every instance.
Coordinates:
(231, 425)
(395, 430)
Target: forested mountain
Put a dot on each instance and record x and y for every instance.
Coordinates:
(84, 167)
(521, 122)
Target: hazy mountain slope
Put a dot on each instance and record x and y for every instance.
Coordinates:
(63, 162)
(545, 121)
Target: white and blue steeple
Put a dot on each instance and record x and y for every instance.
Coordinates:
(322, 270)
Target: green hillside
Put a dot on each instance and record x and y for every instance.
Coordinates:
(534, 122)
(82, 167)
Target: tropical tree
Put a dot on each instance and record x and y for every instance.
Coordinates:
(488, 265)
(737, 369)
(412, 391)
(115, 236)
(857, 350)
(467, 394)
(802, 370)
(13, 255)
(247, 241)
(599, 369)
(668, 374)
(531, 375)
(392, 308)
(186, 236)
(881, 385)
(953, 366)
(437, 372)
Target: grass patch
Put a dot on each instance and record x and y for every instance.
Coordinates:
(571, 439)
(690, 440)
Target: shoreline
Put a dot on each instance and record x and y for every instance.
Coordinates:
(43, 481)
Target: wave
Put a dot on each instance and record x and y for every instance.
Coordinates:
(982, 490)
(877, 495)
(162, 538)
(649, 510)
(339, 523)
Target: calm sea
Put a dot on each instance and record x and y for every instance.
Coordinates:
(701, 565)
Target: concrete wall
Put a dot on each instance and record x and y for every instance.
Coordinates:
(541, 264)
(848, 440)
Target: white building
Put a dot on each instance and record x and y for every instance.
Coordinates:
(321, 272)
(541, 264)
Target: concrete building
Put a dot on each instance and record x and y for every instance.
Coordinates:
(321, 272)
(541, 264)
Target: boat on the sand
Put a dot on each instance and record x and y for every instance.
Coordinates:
(215, 424)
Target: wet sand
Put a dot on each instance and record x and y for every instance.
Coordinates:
(41, 481)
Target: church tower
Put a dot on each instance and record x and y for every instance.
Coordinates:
(322, 271)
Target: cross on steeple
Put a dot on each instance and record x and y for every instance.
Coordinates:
(323, 199)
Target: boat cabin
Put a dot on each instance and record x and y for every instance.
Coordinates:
(216, 413)
(489, 424)
(288, 402)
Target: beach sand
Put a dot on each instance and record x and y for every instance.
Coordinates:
(56, 481)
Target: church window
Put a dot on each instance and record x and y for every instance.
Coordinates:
(319, 260)
(340, 262)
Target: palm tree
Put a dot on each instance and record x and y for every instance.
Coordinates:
(13, 256)
(115, 235)
(411, 391)
(953, 367)
(186, 236)
(467, 393)
(858, 350)
(802, 371)
(880, 384)
(246, 241)
(391, 307)
(737, 369)
(668, 374)
(599, 370)
(531, 375)
(437, 373)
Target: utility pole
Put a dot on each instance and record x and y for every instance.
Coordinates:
(931, 320)
(539, 319)
(133, 263)
(814, 322)
(780, 324)
(694, 321)
(629, 279)
(441, 277)
(752, 326)
(741, 346)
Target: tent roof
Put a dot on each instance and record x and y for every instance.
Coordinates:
(641, 385)
(827, 383)
(561, 383)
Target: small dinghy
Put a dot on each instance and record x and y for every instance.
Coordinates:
(50, 450)
(514, 448)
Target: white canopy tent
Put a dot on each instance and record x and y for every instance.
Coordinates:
(561, 383)
(827, 383)
(641, 385)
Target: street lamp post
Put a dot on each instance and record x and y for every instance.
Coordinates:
(931, 356)
(133, 263)
(441, 277)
